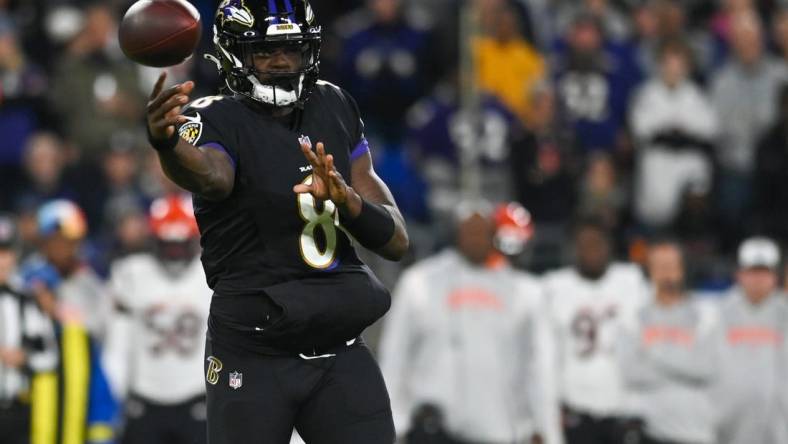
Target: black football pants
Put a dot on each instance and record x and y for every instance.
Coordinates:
(581, 428)
(151, 423)
(648, 440)
(259, 399)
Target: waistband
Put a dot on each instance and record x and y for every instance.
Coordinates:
(244, 338)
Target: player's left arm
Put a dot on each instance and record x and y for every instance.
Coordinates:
(367, 209)
(371, 188)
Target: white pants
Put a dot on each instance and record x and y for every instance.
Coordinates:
(663, 178)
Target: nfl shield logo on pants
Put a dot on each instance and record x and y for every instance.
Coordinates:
(236, 380)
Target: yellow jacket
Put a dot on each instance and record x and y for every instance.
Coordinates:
(509, 71)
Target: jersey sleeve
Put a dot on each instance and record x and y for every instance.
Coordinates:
(361, 145)
(205, 126)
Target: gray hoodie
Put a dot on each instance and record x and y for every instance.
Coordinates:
(475, 342)
(669, 359)
(753, 371)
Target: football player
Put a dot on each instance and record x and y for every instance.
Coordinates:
(588, 301)
(279, 217)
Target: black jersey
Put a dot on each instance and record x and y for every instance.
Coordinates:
(265, 239)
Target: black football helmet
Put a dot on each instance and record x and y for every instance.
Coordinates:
(243, 28)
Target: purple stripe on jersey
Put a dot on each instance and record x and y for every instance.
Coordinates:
(360, 149)
(218, 146)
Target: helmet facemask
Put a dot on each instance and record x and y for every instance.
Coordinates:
(175, 256)
(262, 33)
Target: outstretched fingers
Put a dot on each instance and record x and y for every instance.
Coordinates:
(306, 148)
(159, 86)
(171, 97)
(333, 175)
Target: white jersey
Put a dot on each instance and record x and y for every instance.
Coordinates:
(156, 339)
(586, 315)
(474, 342)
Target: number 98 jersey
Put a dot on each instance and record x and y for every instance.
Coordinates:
(264, 233)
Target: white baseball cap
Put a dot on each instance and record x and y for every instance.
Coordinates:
(759, 252)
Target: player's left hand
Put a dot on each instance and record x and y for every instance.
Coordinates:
(327, 182)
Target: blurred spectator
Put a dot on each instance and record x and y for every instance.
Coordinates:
(587, 302)
(441, 132)
(595, 78)
(506, 65)
(22, 88)
(44, 174)
(158, 330)
(614, 24)
(674, 126)
(95, 90)
(474, 349)
(722, 22)
(660, 21)
(27, 342)
(744, 94)
(770, 196)
(385, 64)
(544, 163)
(647, 33)
(121, 193)
(755, 322)
(60, 268)
(601, 194)
(75, 404)
(670, 355)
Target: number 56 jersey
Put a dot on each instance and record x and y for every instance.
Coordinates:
(264, 238)
(156, 338)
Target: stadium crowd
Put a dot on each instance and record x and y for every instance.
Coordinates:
(646, 139)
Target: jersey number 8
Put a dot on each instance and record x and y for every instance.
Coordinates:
(310, 251)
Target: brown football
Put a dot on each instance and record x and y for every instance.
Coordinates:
(160, 33)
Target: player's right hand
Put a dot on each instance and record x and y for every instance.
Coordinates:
(164, 107)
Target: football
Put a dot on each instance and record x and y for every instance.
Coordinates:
(160, 33)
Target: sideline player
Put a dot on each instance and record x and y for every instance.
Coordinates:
(277, 217)
(470, 359)
(156, 337)
(588, 300)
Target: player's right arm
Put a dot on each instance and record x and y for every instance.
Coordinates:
(206, 172)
